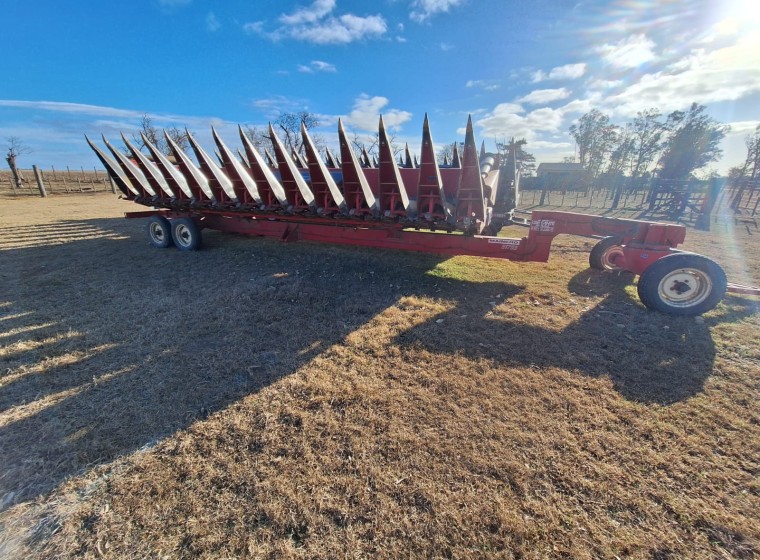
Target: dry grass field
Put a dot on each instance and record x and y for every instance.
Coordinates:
(265, 400)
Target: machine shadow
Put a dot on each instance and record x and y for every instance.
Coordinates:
(110, 346)
(649, 357)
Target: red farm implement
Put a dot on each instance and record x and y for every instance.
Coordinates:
(453, 209)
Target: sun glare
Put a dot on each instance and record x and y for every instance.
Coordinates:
(738, 14)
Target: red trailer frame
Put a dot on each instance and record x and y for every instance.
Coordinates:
(672, 281)
(641, 242)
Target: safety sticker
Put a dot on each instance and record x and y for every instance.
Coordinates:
(506, 244)
(542, 225)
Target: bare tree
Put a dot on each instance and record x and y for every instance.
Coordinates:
(368, 143)
(258, 137)
(289, 124)
(179, 137)
(156, 138)
(16, 148)
(751, 167)
(745, 176)
(371, 143)
(445, 154)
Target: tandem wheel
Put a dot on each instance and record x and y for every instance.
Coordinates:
(186, 234)
(160, 232)
(683, 284)
(606, 255)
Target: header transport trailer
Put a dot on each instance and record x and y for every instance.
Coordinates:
(456, 208)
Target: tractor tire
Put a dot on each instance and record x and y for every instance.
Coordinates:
(682, 284)
(605, 254)
(186, 234)
(160, 232)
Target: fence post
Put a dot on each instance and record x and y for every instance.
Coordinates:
(40, 184)
(713, 191)
(113, 185)
(543, 195)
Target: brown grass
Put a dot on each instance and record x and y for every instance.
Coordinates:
(267, 400)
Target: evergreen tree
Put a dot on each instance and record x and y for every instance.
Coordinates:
(693, 142)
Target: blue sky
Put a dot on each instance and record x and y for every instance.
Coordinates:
(524, 69)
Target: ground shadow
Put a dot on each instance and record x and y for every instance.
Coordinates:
(110, 346)
(650, 357)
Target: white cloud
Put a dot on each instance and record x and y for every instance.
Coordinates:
(566, 72)
(89, 114)
(539, 96)
(344, 29)
(366, 113)
(724, 74)
(311, 14)
(316, 24)
(212, 22)
(605, 84)
(548, 145)
(254, 27)
(578, 106)
(424, 9)
(734, 146)
(509, 119)
(743, 128)
(316, 66)
(487, 85)
(728, 26)
(276, 104)
(631, 52)
(63, 107)
(54, 129)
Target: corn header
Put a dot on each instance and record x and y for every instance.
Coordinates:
(455, 208)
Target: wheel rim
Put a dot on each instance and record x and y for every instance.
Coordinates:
(611, 257)
(685, 287)
(157, 233)
(183, 234)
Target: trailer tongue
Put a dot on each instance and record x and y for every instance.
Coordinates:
(454, 209)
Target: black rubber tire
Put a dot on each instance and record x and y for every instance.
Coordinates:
(186, 234)
(601, 255)
(683, 284)
(160, 232)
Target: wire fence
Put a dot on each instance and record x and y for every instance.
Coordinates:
(55, 181)
(598, 199)
(727, 201)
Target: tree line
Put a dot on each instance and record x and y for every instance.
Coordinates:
(669, 147)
